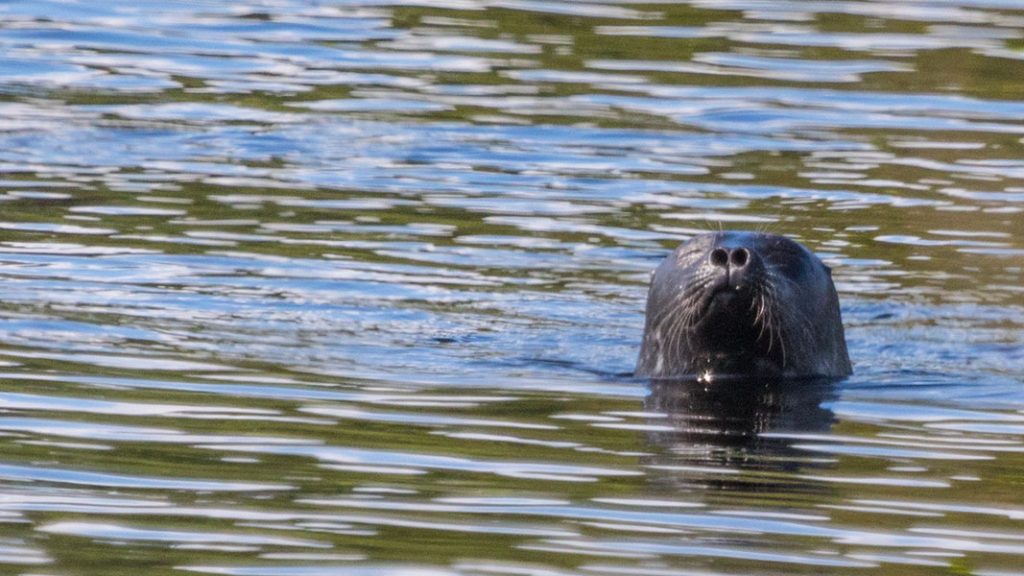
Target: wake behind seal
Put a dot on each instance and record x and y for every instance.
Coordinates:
(742, 304)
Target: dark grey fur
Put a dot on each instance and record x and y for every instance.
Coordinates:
(742, 304)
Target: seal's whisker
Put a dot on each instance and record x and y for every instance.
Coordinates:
(761, 312)
(681, 300)
(680, 314)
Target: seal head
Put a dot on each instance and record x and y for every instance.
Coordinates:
(742, 304)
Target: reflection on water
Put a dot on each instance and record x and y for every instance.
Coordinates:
(296, 288)
(731, 422)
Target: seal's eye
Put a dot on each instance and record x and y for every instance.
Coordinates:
(788, 259)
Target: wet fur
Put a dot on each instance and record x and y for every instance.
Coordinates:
(786, 322)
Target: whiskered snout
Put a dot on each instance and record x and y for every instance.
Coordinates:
(742, 303)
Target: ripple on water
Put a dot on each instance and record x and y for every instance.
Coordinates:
(99, 479)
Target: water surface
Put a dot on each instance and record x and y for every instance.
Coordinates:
(303, 288)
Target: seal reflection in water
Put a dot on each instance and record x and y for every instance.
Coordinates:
(747, 425)
(742, 304)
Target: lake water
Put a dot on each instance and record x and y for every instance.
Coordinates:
(298, 288)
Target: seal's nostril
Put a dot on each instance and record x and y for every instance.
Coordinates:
(719, 257)
(739, 257)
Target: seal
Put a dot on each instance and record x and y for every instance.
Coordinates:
(742, 304)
